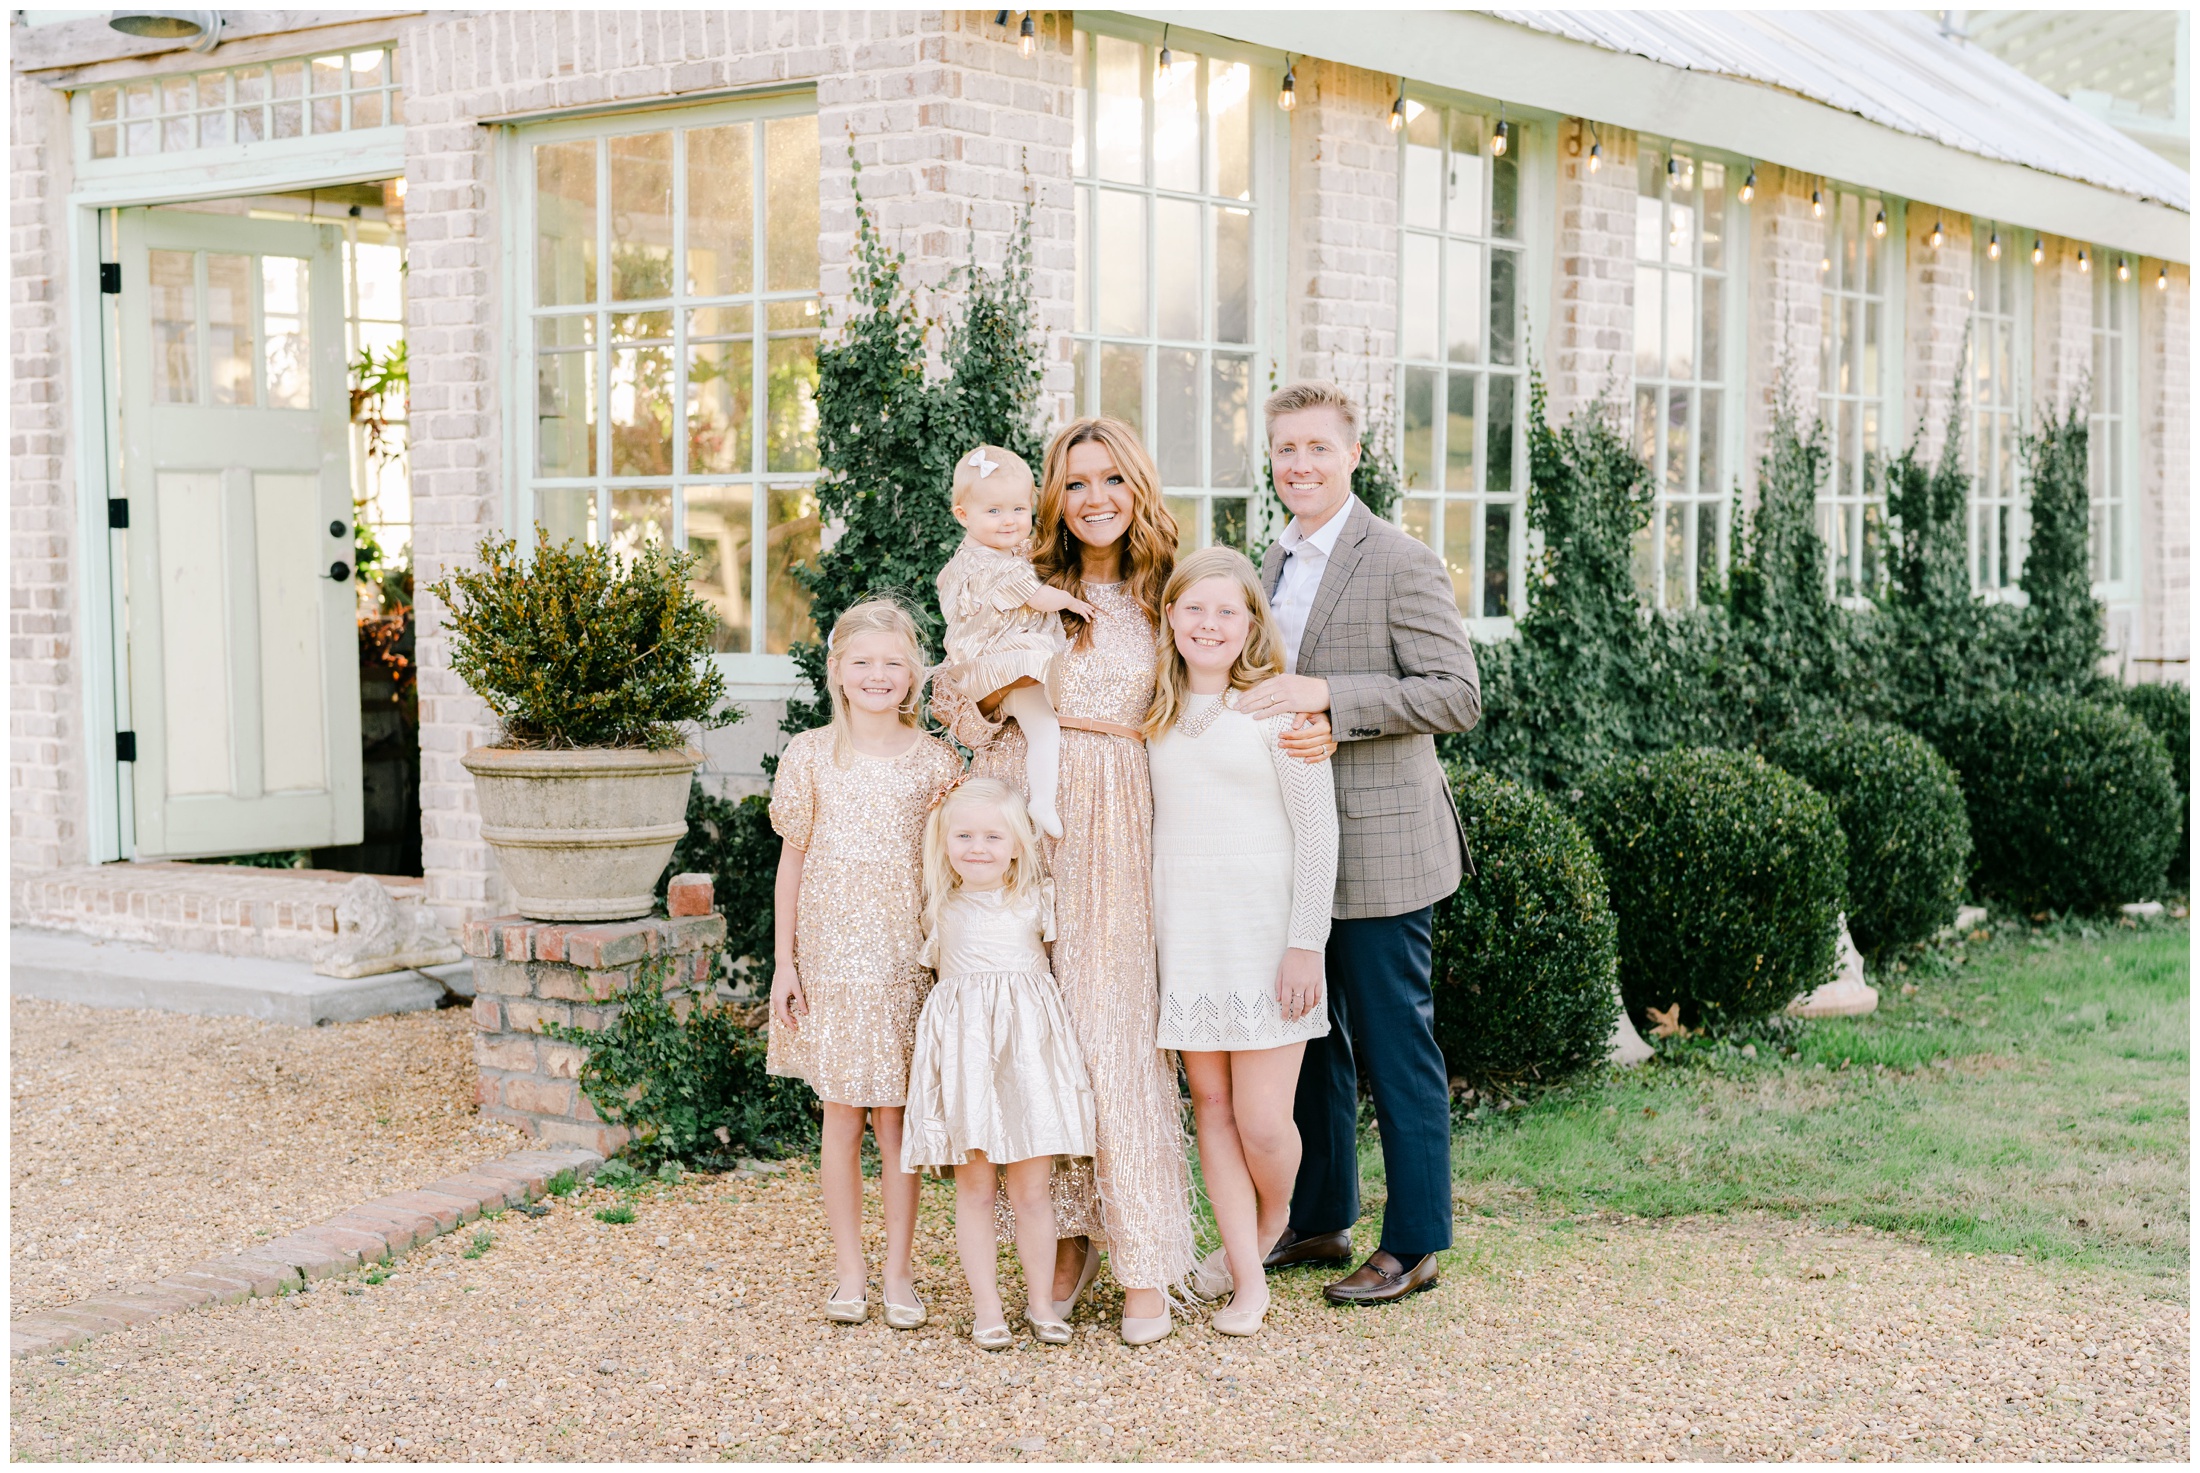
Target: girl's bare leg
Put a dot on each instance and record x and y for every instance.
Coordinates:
(840, 1178)
(900, 1189)
(1263, 1083)
(1222, 1165)
(974, 1239)
(1027, 1193)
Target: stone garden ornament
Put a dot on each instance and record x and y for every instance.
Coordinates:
(376, 932)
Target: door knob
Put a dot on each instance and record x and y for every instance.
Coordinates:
(339, 571)
(336, 529)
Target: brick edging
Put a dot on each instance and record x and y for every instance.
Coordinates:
(367, 1232)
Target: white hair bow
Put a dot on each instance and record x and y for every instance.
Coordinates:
(985, 467)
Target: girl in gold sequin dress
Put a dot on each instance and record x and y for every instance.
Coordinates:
(850, 802)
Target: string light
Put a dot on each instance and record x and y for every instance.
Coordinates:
(1596, 151)
(1502, 136)
(1993, 246)
(2083, 263)
(1934, 240)
(1167, 60)
(1879, 225)
(2039, 252)
(2161, 282)
(2123, 269)
(1398, 108)
(1749, 185)
(1288, 98)
(1027, 35)
(1817, 204)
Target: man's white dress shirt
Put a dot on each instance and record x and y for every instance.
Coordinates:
(1304, 561)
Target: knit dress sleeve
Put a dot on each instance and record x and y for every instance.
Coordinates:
(1310, 804)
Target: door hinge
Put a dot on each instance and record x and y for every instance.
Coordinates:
(125, 746)
(118, 513)
(110, 278)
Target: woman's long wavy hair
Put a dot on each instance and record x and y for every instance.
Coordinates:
(1150, 553)
(1025, 872)
(1263, 652)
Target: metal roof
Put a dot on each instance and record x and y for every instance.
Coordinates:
(1893, 68)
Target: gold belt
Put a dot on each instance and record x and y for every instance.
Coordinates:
(1105, 728)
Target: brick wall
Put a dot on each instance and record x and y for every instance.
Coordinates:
(1938, 312)
(2164, 629)
(944, 113)
(1591, 350)
(2062, 328)
(46, 736)
(1342, 284)
(1787, 243)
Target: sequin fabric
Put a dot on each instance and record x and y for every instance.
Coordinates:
(1104, 954)
(858, 914)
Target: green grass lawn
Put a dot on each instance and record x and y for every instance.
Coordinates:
(2029, 1098)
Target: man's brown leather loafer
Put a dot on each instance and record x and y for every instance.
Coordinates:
(1292, 1250)
(1382, 1279)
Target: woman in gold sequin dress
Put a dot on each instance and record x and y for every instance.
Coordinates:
(1104, 535)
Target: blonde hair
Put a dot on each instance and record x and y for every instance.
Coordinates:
(1149, 549)
(968, 479)
(875, 615)
(940, 880)
(1314, 393)
(1263, 652)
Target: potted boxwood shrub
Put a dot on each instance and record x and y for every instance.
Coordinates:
(593, 665)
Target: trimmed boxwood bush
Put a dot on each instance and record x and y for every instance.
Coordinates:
(1727, 876)
(2167, 712)
(1525, 948)
(2073, 804)
(1901, 810)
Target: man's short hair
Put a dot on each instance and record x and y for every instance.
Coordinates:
(1314, 393)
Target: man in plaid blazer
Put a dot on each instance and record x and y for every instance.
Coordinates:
(1372, 636)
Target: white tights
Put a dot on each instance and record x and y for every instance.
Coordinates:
(1043, 737)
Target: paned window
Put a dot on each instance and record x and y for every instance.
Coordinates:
(1169, 289)
(1462, 441)
(672, 320)
(1996, 372)
(231, 329)
(298, 98)
(374, 316)
(1681, 400)
(1855, 363)
(2109, 457)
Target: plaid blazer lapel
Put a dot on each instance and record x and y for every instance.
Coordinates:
(1271, 570)
(1335, 576)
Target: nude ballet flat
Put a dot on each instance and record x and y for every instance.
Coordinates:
(906, 1316)
(1147, 1331)
(1236, 1321)
(997, 1338)
(848, 1311)
(1091, 1270)
(1048, 1332)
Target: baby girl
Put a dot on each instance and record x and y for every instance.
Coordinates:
(1002, 633)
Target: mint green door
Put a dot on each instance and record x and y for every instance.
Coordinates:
(241, 626)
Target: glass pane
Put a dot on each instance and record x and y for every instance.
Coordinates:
(1708, 479)
(1505, 189)
(720, 534)
(1463, 306)
(790, 203)
(328, 115)
(1177, 269)
(1419, 300)
(1228, 515)
(1676, 441)
(285, 309)
(213, 129)
(1176, 416)
(1712, 199)
(1418, 518)
(641, 217)
(1185, 511)
(1680, 230)
(1504, 305)
(791, 537)
(1680, 313)
(1714, 297)
(721, 401)
(1678, 593)
(367, 70)
(1119, 130)
(251, 84)
(1498, 474)
(721, 224)
(1496, 560)
(1080, 360)
(1421, 190)
(175, 94)
(1123, 384)
(175, 327)
(1649, 220)
(1176, 124)
(1122, 252)
(1417, 429)
(790, 404)
(1463, 185)
(327, 75)
(1083, 278)
(106, 104)
(1233, 276)
(1707, 545)
(1459, 551)
(1874, 250)
(1231, 418)
(1649, 344)
(565, 410)
(251, 124)
(229, 354)
(1460, 437)
(641, 517)
(104, 142)
(1646, 427)
(565, 223)
(1230, 126)
(379, 277)
(567, 513)
(177, 134)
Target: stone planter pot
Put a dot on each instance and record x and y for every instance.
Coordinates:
(582, 834)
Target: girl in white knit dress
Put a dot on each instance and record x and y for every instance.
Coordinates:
(997, 1088)
(1002, 629)
(1244, 874)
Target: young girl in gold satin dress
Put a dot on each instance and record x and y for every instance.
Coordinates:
(850, 801)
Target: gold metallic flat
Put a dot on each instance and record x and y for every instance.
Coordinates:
(1049, 1332)
(906, 1316)
(997, 1338)
(848, 1311)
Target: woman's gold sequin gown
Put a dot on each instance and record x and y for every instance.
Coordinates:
(1104, 952)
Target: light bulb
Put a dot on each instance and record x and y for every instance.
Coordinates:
(1500, 138)
(1879, 224)
(1936, 237)
(2083, 263)
(2039, 252)
(2161, 282)
(1596, 157)
(2123, 269)
(1817, 204)
(1749, 185)
(1825, 263)
(1166, 61)
(1398, 113)
(1993, 246)
(1027, 35)
(1288, 98)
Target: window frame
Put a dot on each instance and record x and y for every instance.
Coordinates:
(1892, 301)
(1268, 258)
(1732, 382)
(752, 674)
(2021, 318)
(2117, 591)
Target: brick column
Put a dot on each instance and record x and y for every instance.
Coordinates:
(1939, 309)
(528, 973)
(1786, 308)
(2165, 473)
(1343, 279)
(1591, 351)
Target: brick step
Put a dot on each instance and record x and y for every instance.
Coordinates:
(228, 909)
